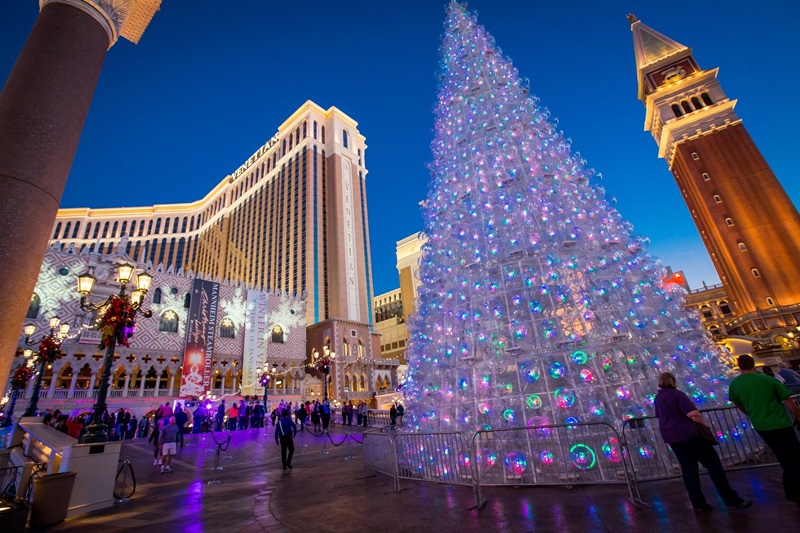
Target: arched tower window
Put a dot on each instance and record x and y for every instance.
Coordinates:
(168, 322)
(706, 311)
(686, 106)
(696, 103)
(677, 110)
(157, 296)
(724, 308)
(706, 99)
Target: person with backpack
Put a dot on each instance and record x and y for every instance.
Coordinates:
(325, 414)
(285, 431)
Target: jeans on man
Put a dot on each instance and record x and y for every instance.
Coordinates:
(689, 453)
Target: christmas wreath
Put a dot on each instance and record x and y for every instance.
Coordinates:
(22, 375)
(49, 350)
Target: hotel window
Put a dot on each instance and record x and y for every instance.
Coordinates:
(305, 129)
(695, 156)
(706, 312)
(141, 228)
(227, 329)
(124, 227)
(105, 230)
(729, 221)
(756, 273)
(314, 129)
(67, 227)
(175, 224)
(323, 134)
(696, 103)
(168, 322)
(57, 231)
(717, 199)
(742, 246)
(88, 229)
(183, 224)
(96, 230)
(114, 229)
(33, 307)
(75, 231)
(284, 148)
(344, 138)
(297, 136)
(158, 226)
(277, 334)
(706, 177)
(770, 301)
(724, 308)
(686, 106)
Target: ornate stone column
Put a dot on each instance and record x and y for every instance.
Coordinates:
(71, 392)
(125, 386)
(43, 107)
(90, 392)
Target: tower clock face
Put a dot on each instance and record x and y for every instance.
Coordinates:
(673, 74)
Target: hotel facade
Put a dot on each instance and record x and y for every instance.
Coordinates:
(291, 220)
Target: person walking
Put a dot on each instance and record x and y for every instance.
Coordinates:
(285, 431)
(169, 444)
(678, 421)
(315, 418)
(764, 400)
(154, 438)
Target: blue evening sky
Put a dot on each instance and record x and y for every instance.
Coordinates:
(211, 81)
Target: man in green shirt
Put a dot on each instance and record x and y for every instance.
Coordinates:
(762, 399)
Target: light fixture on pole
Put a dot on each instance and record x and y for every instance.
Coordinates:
(48, 352)
(265, 379)
(116, 325)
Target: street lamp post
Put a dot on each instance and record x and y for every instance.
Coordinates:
(117, 325)
(49, 351)
(324, 365)
(265, 379)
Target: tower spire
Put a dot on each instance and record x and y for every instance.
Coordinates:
(652, 50)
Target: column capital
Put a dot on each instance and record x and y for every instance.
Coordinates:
(120, 18)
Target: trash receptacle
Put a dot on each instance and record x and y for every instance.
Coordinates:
(51, 495)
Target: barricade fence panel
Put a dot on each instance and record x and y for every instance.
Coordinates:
(379, 454)
(583, 453)
(440, 457)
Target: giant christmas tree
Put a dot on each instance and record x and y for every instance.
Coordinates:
(537, 304)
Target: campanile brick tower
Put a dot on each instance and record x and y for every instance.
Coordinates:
(747, 221)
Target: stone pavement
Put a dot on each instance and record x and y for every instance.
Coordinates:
(329, 492)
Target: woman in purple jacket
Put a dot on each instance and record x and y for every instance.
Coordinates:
(678, 418)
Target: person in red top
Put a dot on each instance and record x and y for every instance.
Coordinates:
(233, 415)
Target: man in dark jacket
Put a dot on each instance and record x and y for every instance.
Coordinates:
(285, 430)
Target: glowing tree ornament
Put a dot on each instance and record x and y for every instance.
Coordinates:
(535, 297)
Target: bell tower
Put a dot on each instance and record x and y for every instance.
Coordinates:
(749, 225)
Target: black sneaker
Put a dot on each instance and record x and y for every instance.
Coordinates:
(744, 504)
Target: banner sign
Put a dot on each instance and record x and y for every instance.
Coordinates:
(201, 327)
(255, 341)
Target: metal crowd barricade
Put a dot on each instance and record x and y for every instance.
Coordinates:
(560, 454)
(740, 446)
(379, 453)
(439, 457)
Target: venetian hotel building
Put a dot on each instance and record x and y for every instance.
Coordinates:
(292, 218)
